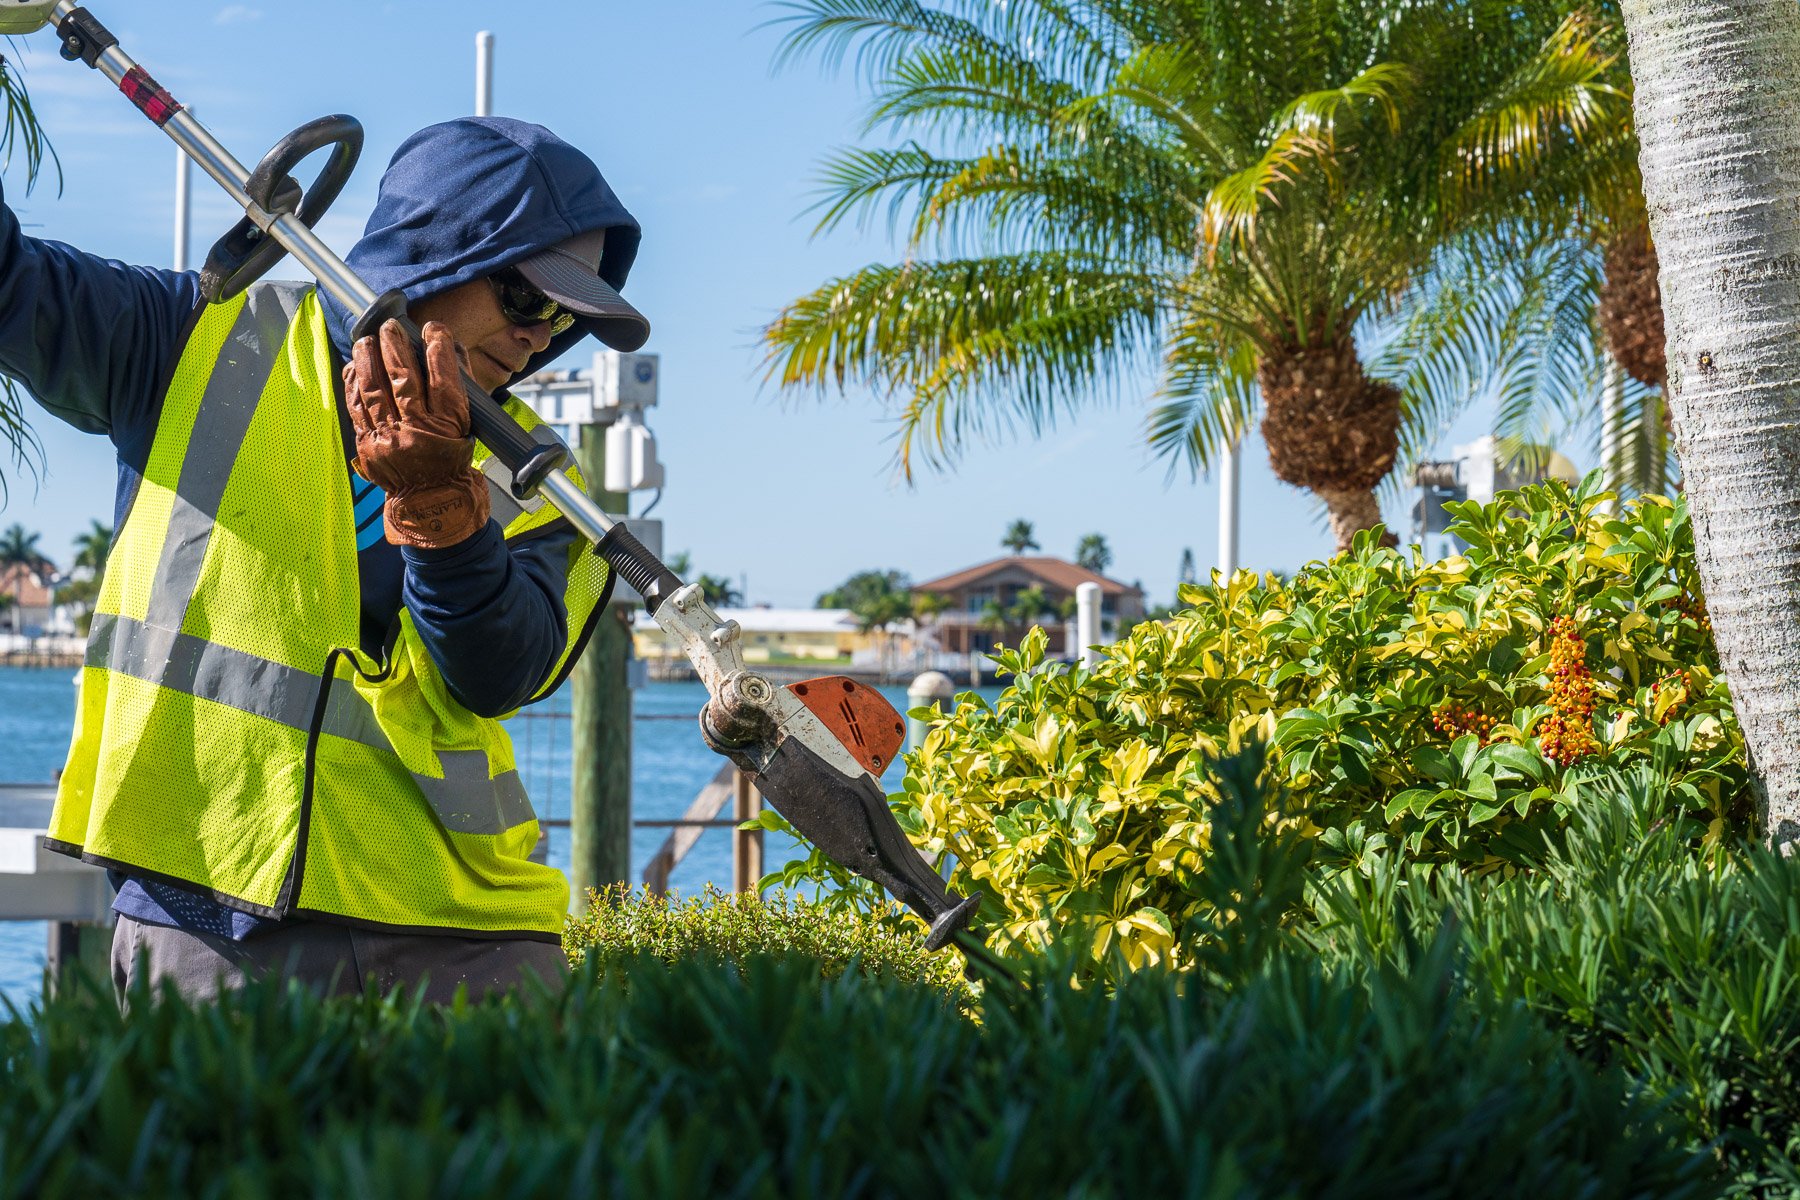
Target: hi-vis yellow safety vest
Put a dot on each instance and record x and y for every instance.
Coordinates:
(231, 736)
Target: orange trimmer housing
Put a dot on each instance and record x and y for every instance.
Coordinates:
(858, 716)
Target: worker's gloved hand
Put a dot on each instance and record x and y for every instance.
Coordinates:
(412, 436)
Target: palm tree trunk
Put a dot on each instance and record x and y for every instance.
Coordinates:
(1718, 120)
(1332, 430)
(1631, 306)
(1351, 511)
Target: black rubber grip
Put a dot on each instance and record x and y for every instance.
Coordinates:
(638, 567)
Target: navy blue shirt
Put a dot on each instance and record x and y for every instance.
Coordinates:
(95, 342)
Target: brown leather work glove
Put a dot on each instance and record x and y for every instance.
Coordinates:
(412, 436)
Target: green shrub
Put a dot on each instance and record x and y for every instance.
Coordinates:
(1636, 952)
(1437, 708)
(622, 925)
(702, 1078)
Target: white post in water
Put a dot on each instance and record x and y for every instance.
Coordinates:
(1228, 509)
(184, 199)
(933, 689)
(1087, 622)
(484, 74)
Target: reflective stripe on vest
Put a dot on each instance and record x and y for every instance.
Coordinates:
(207, 762)
(465, 799)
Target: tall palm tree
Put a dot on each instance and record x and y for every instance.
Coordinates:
(1093, 553)
(1722, 194)
(1020, 537)
(1251, 190)
(93, 547)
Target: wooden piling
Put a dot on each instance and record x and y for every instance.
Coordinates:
(600, 726)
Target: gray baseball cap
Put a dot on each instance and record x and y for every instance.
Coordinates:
(569, 273)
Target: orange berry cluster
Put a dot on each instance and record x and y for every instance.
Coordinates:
(1453, 720)
(1676, 682)
(1693, 608)
(1568, 732)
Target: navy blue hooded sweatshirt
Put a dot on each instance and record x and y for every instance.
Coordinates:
(96, 341)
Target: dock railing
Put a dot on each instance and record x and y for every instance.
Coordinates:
(545, 739)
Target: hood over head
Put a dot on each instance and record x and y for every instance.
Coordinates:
(464, 198)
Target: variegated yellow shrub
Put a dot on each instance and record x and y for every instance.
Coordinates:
(1406, 704)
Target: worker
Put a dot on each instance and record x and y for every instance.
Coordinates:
(321, 593)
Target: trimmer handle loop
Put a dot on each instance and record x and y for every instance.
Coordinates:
(245, 254)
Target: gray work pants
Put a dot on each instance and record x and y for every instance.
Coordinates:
(330, 959)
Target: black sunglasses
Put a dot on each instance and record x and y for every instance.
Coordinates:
(523, 304)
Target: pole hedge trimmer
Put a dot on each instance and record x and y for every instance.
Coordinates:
(814, 749)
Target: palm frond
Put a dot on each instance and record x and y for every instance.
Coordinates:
(876, 32)
(1236, 202)
(959, 88)
(21, 132)
(970, 346)
(1207, 398)
(1166, 91)
(1107, 199)
(1504, 317)
(22, 445)
(1567, 99)
(1385, 86)
(858, 180)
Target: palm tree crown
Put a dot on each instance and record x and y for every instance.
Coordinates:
(1245, 188)
(1093, 553)
(93, 547)
(1020, 537)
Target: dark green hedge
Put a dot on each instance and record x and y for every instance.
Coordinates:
(1681, 967)
(705, 1079)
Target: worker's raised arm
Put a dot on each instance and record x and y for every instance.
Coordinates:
(92, 339)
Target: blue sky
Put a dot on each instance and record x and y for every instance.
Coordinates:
(718, 156)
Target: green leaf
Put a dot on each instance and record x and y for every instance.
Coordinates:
(1518, 759)
(1403, 800)
(1437, 765)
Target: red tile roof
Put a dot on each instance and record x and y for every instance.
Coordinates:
(1057, 572)
(25, 585)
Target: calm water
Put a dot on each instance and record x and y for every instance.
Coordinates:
(669, 765)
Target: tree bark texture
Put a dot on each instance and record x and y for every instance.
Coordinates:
(1351, 511)
(1718, 122)
(1330, 429)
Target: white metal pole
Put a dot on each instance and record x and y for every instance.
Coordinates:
(484, 74)
(184, 196)
(1087, 622)
(1612, 406)
(1228, 509)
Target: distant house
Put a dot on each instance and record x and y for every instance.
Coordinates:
(961, 626)
(825, 634)
(33, 609)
